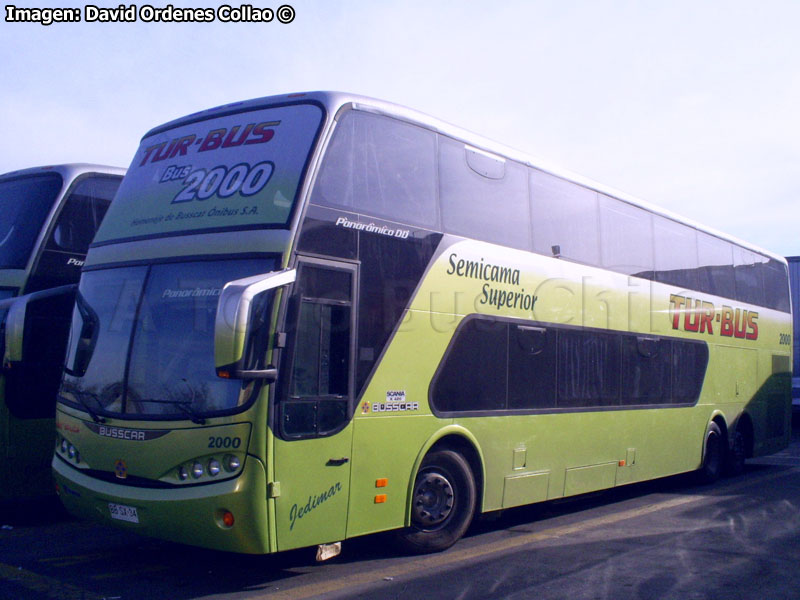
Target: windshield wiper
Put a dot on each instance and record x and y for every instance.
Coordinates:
(80, 395)
(182, 405)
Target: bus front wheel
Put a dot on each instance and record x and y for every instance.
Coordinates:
(442, 503)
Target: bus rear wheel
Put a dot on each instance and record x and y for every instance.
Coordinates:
(442, 503)
(713, 455)
(734, 464)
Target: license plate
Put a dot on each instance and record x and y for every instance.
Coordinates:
(123, 512)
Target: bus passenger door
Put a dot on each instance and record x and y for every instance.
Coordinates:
(314, 405)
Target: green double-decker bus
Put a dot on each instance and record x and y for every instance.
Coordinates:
(48, 216)
(317, 316)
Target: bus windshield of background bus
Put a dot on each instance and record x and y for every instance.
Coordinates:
(142, 340)
(24, 205)
(236, 171)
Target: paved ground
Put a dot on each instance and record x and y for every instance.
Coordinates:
(739, 538)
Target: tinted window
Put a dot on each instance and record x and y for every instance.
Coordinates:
(380, 167)
(172, 358)
(564, 215)
(323, 350)
(715, 258)
(84, 209)
(390, 271)
(689, 362)
(646, 370)
(483, 196)
(496, 365)
(102, 323)
(473, 377)
(531, 367)
(747, 268)
(319, 380)
(24, 205)
(626, 237)
(675, 253)
(152, 329)
(588, 369)
(776, 285)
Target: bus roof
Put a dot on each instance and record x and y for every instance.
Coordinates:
(67, 170)
(333, 102)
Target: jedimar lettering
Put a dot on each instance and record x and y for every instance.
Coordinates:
(298, 512)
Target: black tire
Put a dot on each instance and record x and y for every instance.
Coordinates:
(442, 503)
(737, 453)
(713, 455)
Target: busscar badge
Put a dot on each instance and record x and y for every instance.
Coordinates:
(120, 469)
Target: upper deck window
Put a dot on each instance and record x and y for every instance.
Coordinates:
(565, 219)
(239, 170)
(380, 167)
(83, 212)
(483, 196)
(24, 205)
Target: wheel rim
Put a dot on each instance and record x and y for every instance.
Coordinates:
(434, 499)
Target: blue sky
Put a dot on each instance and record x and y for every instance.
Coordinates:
(693, 106)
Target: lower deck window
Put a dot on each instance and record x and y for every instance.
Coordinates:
(501, 365)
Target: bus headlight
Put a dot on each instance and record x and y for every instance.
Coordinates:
(231, 463)
(203, 469)
(68, 451)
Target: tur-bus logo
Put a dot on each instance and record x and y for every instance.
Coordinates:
(238, 135)
(698, 316)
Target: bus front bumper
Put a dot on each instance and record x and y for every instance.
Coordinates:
(193, 514)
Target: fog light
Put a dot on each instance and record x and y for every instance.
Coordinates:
(183, 474)
(197, 470)
(231, 463)
(227, 518)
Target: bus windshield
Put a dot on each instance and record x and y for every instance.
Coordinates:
(240, 170)
(164, 315)
(24, 205)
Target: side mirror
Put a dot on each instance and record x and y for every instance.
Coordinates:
(24, 314)
(85, 338)
(37, 328)
(240, 304)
